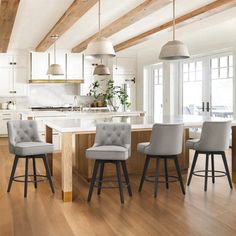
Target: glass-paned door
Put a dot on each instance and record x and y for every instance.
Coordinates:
(192, 87)
(222, 86)
(208, 86)
(158, 92)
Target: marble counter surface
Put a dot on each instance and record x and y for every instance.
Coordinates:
(87, 124)
(79, 114)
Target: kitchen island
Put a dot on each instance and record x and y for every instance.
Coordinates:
(82, 131)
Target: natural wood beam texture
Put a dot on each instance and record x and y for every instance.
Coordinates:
(8, 10)
(136, 14)
(76, 10)
(202, 12)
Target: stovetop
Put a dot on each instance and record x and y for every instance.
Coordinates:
(51, 108)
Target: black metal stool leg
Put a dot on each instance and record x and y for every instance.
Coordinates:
(156, 176)
(35, 173)
(144, 173)
(179, 174)
(206, 172)
(192, 167)
(12, 173)
(26, 176)
(212, 168)
(48, 172)
(227, 169)
(166, 173)
(119, 181)
(95, 170)
(123, 163)
(100, 177)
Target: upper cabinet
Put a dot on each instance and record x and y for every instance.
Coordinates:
(74, 66)
(71, 63)
(13, 75)
(39, 62)
(61, 60)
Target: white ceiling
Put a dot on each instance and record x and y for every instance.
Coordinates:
(35, 18)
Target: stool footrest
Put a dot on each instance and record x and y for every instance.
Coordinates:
(171, 179)
(221, 173)
(44, 178)
(109, 181)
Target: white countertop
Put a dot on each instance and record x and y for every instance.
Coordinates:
(87, 125)
(79, 114)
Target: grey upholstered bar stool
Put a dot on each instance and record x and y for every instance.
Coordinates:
(166, 143)
(24, 142)
(214, 140)
(112, 145)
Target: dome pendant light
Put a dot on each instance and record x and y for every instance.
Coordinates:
(100, 46)
(101, 70)
(175, 49)
(55, 69)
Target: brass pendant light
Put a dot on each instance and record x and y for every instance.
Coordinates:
(100, 46)
(175, 49)
(55, 69)
(101, 70)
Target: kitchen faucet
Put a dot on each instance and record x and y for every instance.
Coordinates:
(75, 103)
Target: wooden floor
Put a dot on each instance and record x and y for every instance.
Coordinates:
(44, 214)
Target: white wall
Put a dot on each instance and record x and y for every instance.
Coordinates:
(214, 35)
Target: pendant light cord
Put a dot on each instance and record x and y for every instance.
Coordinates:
(99, 17)
(173, 19)
(55, 52)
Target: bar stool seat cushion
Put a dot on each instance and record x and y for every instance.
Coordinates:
(32, 148)
(192, 144)
(142, 146)
(107, 152)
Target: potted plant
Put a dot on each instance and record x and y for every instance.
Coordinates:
(109, 94)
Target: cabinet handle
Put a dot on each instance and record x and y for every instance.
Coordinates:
(208, 107)
(12, 91)
(6, 114)
(203, 106)
(6, 119)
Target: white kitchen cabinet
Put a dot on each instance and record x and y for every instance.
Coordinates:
(61, 60)
(74, 66)
(20, 82)
(4, 118)
(6, 80)
(13, 75)
(39, 63)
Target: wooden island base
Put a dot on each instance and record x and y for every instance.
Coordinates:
(135, 163)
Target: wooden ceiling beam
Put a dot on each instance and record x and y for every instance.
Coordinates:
(76, 10)
(8, 10)
(136, 14)
(195, 15)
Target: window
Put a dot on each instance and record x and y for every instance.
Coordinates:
(158, 91)
(192, 71)
(222, 67)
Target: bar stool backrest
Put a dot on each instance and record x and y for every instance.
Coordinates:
(215, 136)
(166, 139)
(21, 131)
(117, 134)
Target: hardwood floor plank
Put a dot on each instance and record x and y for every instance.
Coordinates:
(170, 214)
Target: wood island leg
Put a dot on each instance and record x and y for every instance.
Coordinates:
(49, 139)
(66, 164)
(184, 156)
(234, 154)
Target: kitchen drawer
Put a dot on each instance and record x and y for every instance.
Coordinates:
(4, 118)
